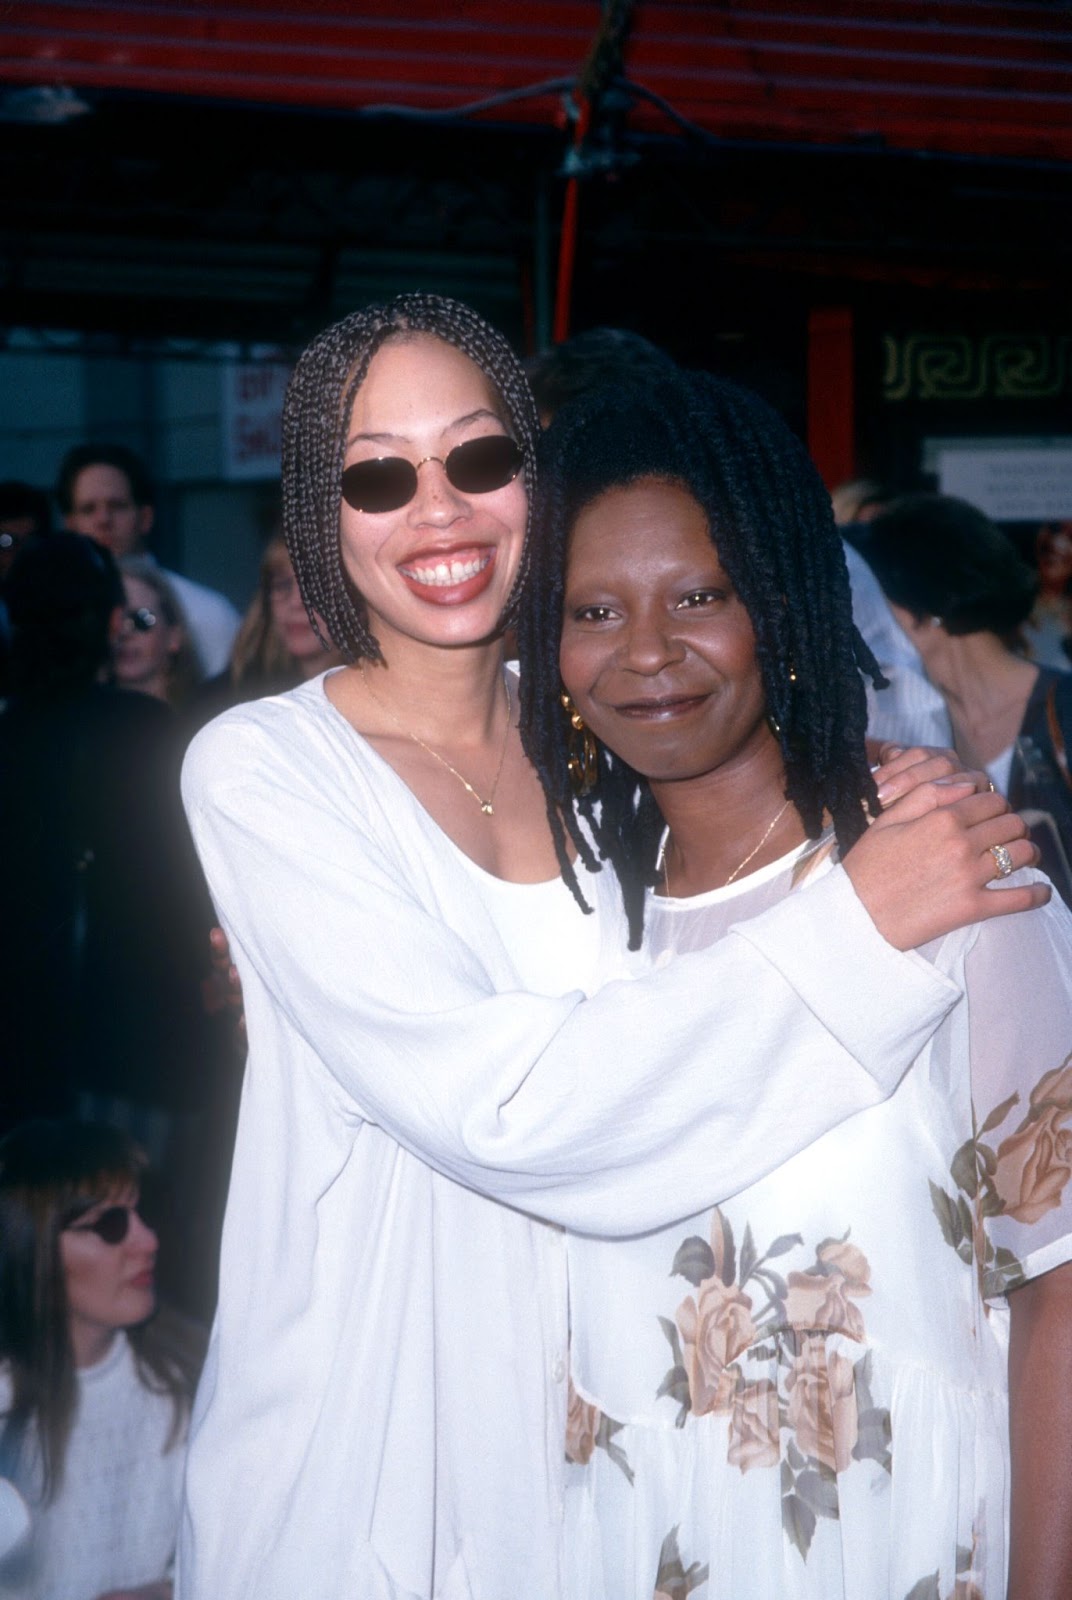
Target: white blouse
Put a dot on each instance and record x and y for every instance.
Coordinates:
(383, 1405)
(115, 1517)
(803, 1393)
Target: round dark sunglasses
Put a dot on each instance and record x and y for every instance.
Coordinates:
(140, 621)
(387, 483)
(112, 1225)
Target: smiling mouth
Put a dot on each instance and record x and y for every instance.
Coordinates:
(662, 710)
(446, 573)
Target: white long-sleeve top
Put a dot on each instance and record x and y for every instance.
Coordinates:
(114, 1520)
(431, 1069)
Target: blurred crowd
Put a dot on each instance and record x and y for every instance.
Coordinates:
(120, 1057)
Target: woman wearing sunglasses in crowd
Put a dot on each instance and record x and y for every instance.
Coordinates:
(94, 1390)
(426, 1075)
(153, 653)
(807, 1390)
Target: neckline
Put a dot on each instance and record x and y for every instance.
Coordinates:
(730, 891)
(317, 688)
(107, 1363)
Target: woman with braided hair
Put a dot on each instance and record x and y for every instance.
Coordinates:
(806, 1390)
(431, 1067)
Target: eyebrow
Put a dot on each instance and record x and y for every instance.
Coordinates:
(401, 438)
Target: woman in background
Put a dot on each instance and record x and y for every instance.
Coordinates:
(153, 653)
(95, 1385)
(960, 590)
(277, 646)
(1048, 630)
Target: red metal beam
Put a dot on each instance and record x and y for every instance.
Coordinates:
(831, 394)
(967, 76)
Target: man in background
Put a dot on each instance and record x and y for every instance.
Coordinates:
(105, 492)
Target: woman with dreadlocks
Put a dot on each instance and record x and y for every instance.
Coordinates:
(802, 1391)
(384, 1399)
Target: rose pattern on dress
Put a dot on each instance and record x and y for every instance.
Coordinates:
(815, 1418)
(755, 1432)
(1022, 1179)
(674, 1581)
(970, 1581)
(582, 1425)
(822, 1405)
(715, 1329)
(589, 1429)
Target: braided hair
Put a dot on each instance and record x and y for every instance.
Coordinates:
(772, 521)
(316, 420)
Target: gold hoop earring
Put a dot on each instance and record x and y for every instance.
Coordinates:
(582, 756)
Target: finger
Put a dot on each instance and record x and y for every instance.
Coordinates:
(893, 784)
(995, 859)
(925, 798)
(1006, 902)
(221, 950)
(1002, 829)
(894, 758)
(969, 810)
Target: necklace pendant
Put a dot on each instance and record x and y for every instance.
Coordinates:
(487, 808)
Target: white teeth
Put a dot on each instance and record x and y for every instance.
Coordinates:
(446, 573)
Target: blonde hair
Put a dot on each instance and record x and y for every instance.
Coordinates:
(259, 652)
(182, 673)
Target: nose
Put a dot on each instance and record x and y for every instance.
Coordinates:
(650, 642)
(437, 501)
(141, 1237)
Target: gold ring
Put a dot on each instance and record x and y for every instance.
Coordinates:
(1002, 860)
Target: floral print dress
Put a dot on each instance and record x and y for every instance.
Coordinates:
(802, 1393)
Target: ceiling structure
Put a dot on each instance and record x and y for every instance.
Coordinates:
(234, 168)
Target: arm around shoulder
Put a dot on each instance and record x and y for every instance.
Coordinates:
(642, 1104)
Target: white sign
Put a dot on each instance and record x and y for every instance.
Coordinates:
(252, 418)
(1011, 483)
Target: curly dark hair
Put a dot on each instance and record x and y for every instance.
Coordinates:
(941, 557)
(772, 521)
(316, 417)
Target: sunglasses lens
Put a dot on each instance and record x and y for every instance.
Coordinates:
(480, 466)
(382, 485)
(112, 1225)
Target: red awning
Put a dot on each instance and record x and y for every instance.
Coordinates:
(966, 77)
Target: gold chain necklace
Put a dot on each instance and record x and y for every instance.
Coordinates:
(486, 806)
(740, 866)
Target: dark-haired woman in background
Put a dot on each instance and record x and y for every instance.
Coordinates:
(95, 1390)
(961, 591)
(803, 1391)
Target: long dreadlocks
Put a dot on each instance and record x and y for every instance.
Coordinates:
(772, 521)
(316, 419)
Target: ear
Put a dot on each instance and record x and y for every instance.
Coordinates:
(915, 627)
(146, 517)
(115, 625)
